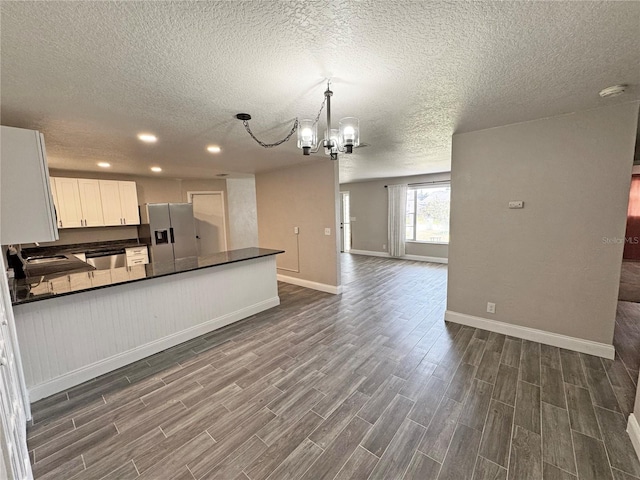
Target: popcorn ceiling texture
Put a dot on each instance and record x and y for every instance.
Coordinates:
(91, 75)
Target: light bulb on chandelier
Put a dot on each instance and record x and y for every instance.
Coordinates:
(341, 140)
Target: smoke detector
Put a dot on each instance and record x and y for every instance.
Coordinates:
(613, 91)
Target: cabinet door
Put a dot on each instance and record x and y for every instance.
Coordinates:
(60, 285)
(91, 202)
(129, 203)
(136, 272)
(119, 275)
(100, 277)
(111, 209)
(79, 281)
(69, 207)
(26, 207)
(54, 197)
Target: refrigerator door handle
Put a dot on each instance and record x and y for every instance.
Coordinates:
(171, 233)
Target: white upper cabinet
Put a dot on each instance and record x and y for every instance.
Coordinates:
(129, 203)
(68, 203)
(83, 202)
(110, 194)
(91, 202)
(27, 213)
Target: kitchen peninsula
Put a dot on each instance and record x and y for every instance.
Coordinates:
(69, 338)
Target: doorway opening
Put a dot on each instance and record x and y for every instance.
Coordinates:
(211, 222)
(345, 223)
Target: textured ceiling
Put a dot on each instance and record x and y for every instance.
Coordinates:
(91, 75)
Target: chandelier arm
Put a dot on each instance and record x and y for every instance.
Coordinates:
(270, 145)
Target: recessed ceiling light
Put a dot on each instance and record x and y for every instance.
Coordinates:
(147, 137)
(104, 164)
(214, 149)
(613, 91)
(156, 169)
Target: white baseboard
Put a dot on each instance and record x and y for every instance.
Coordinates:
(533, 334)
(107, 365)
(323, 287)
(415, 258)
(633, 429)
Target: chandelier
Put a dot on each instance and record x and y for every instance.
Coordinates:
(336, 140)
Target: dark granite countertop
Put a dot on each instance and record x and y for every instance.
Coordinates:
(157, 270)
(80, 247)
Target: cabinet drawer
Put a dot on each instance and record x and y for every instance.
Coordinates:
(137, 260)
(134, 251)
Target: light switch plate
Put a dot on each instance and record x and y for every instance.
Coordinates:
(327, 231)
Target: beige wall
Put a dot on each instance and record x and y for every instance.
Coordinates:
(545, 266)
(301, 196)
(368, 203)
(150, 190)
(243, 214)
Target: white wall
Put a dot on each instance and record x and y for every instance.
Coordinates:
(243, 215)
(546, 266)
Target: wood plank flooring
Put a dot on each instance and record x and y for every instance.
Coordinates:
(372, 384)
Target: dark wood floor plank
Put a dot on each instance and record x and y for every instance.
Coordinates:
(461, 382)
(496, 439)
(379, 437)
(381, 399)
(552, 390)
(296, 464)
(338, 420)
(617, 442)
(511, 352)
(506, 385)
(622, 383)
(550, 357)
(428, 401)
(572, 368)
(486, 470)
(488, 368)
(422, 468)
(530, 362)
(234, 464)
(284, 446)
(550, 472)
(526, 455)
(527, 413)
(397, 457)
(338, 452)
(438, 436)
(359, 466)
(476, 405)
(581, 412)
(125, 472)
(601, 391)
(556, 435)
(461, 457)
(591, 458)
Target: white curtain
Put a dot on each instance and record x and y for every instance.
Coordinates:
(397, 219)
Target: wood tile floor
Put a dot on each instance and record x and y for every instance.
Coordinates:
(368, 385)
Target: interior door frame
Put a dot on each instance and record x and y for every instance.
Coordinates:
(342, 221)
(224, 209)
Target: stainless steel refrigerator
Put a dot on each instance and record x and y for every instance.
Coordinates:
(170, 230)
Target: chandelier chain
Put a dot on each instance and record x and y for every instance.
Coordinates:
(293, 129)
(269, 145)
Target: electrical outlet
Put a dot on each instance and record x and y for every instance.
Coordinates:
(384, 246)
(516, 204)
(491, 307)
(296, 230)
(327, 231)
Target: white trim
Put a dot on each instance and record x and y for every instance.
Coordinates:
(415, 258)
(323, 287)
(633, 429)
(107, 365)
(533, 334)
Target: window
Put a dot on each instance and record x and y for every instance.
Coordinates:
(428, 214)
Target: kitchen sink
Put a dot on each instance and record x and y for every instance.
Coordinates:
(39, 260)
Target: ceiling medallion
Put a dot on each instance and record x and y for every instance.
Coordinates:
(336, 140)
